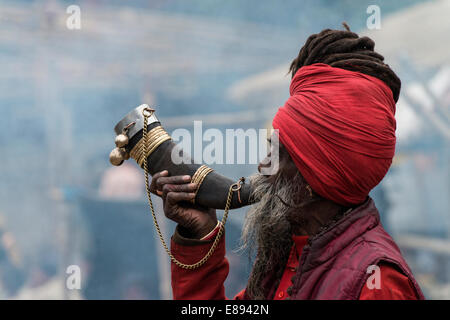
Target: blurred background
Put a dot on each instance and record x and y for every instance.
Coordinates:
(223, 62)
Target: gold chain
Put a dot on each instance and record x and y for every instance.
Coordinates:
(234, 187)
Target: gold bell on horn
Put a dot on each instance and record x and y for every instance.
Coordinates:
(117, 156)
(121, 140)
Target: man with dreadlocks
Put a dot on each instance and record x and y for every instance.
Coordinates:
(316, 232)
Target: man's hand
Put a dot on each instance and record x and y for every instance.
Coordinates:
(177, 192)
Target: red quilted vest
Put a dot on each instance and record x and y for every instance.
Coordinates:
(334, 264)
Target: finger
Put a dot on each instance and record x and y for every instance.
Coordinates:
(172, 180)
(188, 187)
(155, 177)
(174, 197)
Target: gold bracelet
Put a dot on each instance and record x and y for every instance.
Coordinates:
(212, 231)
(199, 176)
(154, 138)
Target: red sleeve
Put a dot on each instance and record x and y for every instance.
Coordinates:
(204, 283)
(394, 285)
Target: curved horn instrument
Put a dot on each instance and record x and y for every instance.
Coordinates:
(213, 188)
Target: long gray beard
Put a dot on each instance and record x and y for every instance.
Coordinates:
(267, 230)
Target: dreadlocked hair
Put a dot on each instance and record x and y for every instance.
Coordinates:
(346, 50)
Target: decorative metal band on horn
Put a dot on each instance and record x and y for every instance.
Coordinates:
(199, 176)
(153, 140)
(129, 127)
(136, 117)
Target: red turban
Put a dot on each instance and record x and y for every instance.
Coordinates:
(339, 129)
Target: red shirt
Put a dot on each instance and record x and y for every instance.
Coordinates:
(206, 283)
